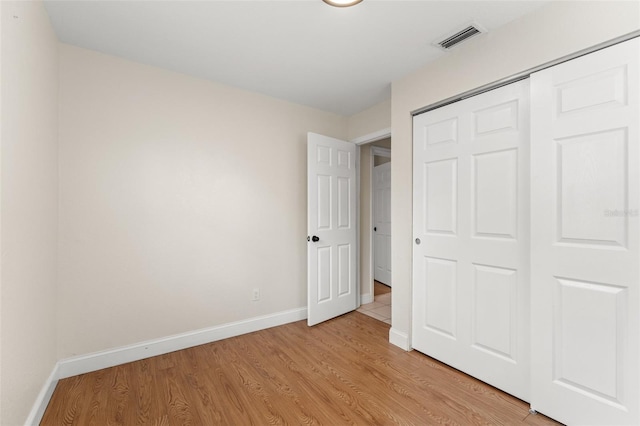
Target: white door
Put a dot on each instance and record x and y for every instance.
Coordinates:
(331, 226)
(471, 230)
(585, 236)
(382, 223)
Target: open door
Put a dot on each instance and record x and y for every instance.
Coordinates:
(331, 225)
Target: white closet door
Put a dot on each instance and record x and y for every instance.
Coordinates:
(471, 225)
(585, 236)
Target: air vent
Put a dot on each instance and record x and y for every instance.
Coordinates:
(450, 40)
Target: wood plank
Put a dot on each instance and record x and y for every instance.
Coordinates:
(379, 288)
(343, 371)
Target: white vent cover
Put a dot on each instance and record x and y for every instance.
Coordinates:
(453, 39)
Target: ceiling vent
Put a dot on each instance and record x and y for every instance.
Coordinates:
(453, 39)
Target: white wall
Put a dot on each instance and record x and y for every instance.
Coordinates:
(551, 32)
(28, 200)
(178, 196)
(371, 120)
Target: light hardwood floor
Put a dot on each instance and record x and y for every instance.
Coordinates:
(342, 371)
(379, 288)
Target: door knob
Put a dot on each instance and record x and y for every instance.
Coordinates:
(315, 239)
(375, 228)
(418, 241)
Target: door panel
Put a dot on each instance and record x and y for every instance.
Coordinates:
(606, 175)
(382, 222)
(585, 238)
(495, 194)
(441, 197)
(440, 296)
(471, 219)
(493, 316)
(331, 207)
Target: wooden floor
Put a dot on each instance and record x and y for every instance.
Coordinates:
(379, 288)
(343, 371)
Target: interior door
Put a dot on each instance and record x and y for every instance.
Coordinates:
(585, 238)
(382, 223)
(471, 248)
(331, 225)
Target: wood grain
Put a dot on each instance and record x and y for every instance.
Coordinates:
(379, 288)
(343, 371)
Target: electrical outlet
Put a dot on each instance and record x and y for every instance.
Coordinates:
(256, 294)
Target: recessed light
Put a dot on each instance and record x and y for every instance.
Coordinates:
(342, 3)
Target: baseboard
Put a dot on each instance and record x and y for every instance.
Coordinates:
(399, 339)
(112, 357)
(41, 402)
(366, 298)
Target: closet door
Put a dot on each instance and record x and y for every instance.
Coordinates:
(471, 230)
(585, 236)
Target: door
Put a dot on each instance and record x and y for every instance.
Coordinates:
(585, 238)
(331, 226)
(471, 247)
(382, 223)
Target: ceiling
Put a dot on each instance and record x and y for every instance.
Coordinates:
(341, 60)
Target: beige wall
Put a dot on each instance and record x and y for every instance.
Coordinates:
(178, 196)
(28, 199)
(371, 120)
(379, 161)
(384, 143)
(550, 32)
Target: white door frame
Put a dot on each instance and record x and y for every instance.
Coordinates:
(363, 140)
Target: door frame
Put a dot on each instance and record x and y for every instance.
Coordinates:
(366, 294)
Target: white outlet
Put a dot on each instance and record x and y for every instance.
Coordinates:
(256, 294)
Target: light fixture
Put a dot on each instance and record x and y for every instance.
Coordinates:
(342, 3)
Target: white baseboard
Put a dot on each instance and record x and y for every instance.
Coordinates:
(112, 357)
(41, 402)
(399, 339)
(366, 298)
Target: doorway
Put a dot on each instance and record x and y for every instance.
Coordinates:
(375, 229)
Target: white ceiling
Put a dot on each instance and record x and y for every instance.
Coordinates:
(336, 59)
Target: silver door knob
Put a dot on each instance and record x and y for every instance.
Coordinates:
(418, 241)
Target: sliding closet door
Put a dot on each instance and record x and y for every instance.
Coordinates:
(471, 230)
(585, 237)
